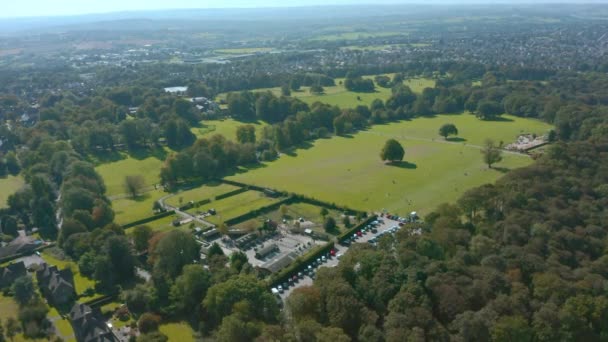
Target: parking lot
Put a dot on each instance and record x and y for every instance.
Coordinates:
(383, 226)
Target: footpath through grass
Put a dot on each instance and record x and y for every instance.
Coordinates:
(348, 170)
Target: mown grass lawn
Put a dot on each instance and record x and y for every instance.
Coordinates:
(178, 332)
(8, 186)
(348, 170)
(114, 173)
(207, 191)
(234, 206)
(338, 95)
(130, 209)
(225, 127)
(161, 225)
(8, 308)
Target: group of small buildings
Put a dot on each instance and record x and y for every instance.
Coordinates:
(57, 287)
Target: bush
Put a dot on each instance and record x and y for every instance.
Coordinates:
(148, 322)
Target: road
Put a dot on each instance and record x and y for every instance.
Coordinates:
(385, 225)
(183, 213)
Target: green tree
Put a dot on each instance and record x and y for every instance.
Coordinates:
(12, 328)
(189, 289)
(316, 89)
(245, 134)
(305, 303)
(512, 329)
(324, 212)
(134, 184)
(285, 90)
(238, 260)
(329, 224)
(491, 153)
(392, 151)
(175, 250)
(141, 236)
(222, 297)
(448, 129)
(23, 289)
(148, 323)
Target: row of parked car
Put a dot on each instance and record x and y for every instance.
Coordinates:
(370, 228)
(391, 230)
(309, 270)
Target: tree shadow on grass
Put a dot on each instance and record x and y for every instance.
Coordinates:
(107, 157)
(498, 119)
(293, 152)
(241, 170)
(142, 153)
(403, 165)
(501, 169)
(456, 139)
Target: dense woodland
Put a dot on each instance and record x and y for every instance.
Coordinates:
(520, 260)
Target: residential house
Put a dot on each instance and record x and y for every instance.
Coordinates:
(10, 273)
(19, 246)
(89, 325)
(56, 286)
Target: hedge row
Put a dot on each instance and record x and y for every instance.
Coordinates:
(252, 187)
(231, 193)
(297, 197)
(299, 264)
(258, 212)
(194, 204)
(148, 219)
(354, 229)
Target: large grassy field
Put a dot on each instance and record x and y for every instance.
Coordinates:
(234, 206)
(114, 173)
(226, 127)
(338, 95)
(348, 170)
(8, 186)
(129, 209)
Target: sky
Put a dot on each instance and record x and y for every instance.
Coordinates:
(36, 8)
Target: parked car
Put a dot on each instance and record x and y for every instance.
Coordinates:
(280, 289)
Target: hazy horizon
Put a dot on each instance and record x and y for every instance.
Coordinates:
(45, 8)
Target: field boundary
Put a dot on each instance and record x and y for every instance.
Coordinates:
(299, 264)
(148, 219)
